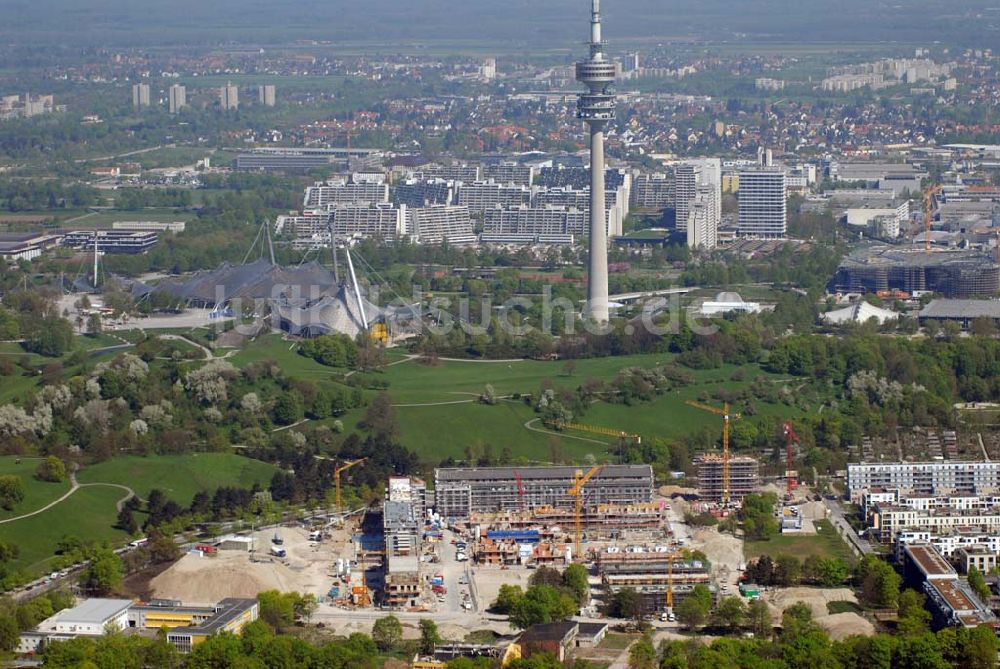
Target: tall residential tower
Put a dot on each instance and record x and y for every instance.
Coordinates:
(596, 107)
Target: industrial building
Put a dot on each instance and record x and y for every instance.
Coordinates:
(187, 625)
(962, 312)
(461, 492)
(744, 477)
(294, 160)
(112, 241)
(952, 272)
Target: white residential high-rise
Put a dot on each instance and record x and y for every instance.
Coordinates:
(176, 98)
(596, 107)
(140, 95)
(440, 223)
(488, 70)
(702, 221)
(763, 204)
(266, 95)
(687, 176)
(229, 97)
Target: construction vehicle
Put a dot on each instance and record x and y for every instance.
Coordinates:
(726, 417)
(791, 482)
(278, 551)
(928, 212)
(576, 492)
(337, 472)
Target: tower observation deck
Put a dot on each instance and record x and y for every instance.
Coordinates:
(596, 107)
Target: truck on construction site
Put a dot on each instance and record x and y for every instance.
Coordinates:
(439, 589)
(278, 551)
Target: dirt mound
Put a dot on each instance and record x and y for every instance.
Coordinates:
(842, 625)
(838, 625)
(206, 580)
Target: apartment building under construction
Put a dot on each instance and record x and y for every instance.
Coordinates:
(652, 572)
(461, 492)
(604, 518)
(744, 477)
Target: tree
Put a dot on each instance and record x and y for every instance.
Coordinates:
(9, 633)
(831, 572)
(94, 324)
(982, 327)
(980, 649)
(789, 571)
(879, 582)
(508, 596)
(978, 583)
(126, 521)
(759, 617)
(277, 609)
(627, 603)
(104, 573)
(429, 636)
(642, 654)
(542, 604)
(730, 612)
(51, 469)
(387, 633)
(692, 611)
(380, 418)
(577, 580)
(289, 408)
(913, 617)
(11, 491)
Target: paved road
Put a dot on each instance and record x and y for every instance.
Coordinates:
(857, 544)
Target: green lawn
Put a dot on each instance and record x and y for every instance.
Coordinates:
(179, 476)
(36, 493)
(89, 514)
(825, 543)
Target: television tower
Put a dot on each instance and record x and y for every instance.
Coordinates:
(596, 107)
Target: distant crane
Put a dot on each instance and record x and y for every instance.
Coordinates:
(790, 440)
(596, 429)
(576, 492)
(520, 490)
(336, 477)
(726, 416)
(928, 212)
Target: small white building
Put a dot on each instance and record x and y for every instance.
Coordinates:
(726, 302)
(91, 617)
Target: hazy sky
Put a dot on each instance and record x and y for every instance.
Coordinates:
(558, 22)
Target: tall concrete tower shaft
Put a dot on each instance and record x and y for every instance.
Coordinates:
(596, 107)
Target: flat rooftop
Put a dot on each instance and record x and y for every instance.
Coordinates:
(930, 561)
(228, 610)
(539, 473)
(89, 612)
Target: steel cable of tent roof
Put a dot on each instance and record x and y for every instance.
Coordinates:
(254, 243)
(381, 278)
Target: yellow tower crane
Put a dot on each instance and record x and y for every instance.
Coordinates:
(336, 479)
(726, 416)
(670, 580)
(596, 429)
(576, 492)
